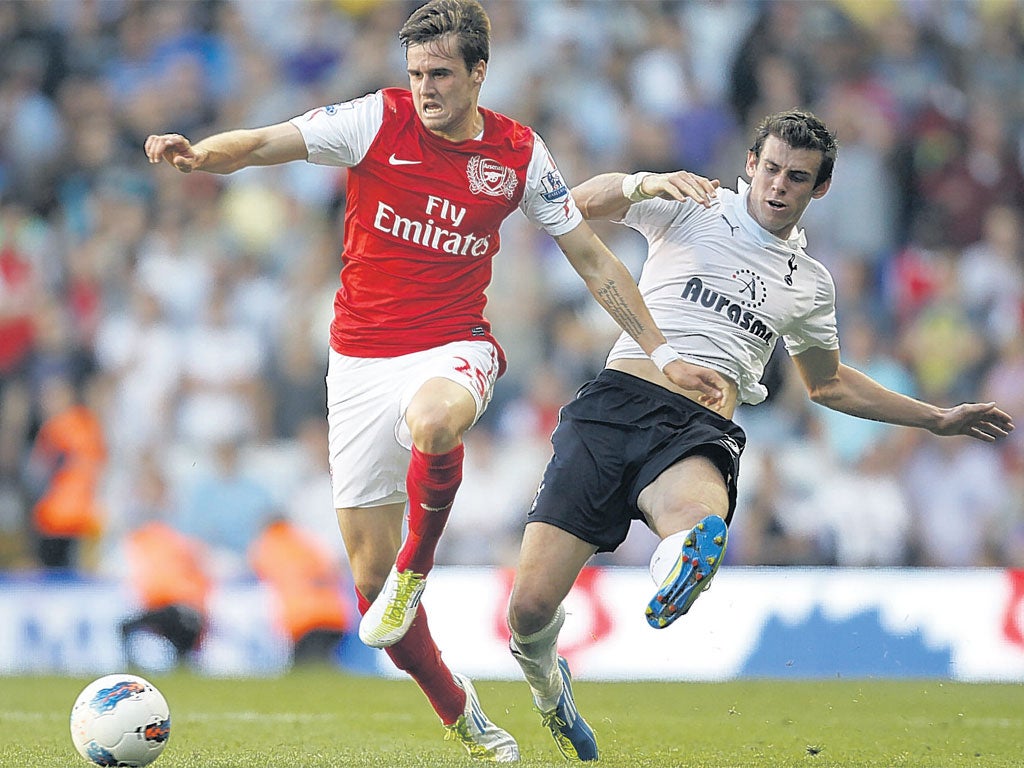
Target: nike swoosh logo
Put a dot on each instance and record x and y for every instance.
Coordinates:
(396, 161)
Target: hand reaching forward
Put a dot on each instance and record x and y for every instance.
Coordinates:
(710, 384)
(982, 421)
(681, 186)
(175, 149)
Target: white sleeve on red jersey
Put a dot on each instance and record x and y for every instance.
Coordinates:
(341, 134)
(547, 201)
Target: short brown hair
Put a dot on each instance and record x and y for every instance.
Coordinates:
(466, 19)
(800, 130)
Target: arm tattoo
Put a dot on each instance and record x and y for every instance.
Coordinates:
(613, 301)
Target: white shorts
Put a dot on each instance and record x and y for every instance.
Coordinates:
(367, 398)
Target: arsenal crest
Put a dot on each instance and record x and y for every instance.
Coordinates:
(490, 177)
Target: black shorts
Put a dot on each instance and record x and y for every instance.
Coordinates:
(612, 441)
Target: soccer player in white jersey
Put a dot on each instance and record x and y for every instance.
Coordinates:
(431, 176)
(726, 277)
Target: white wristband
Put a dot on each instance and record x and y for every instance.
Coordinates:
(664, 355)
(631, 187)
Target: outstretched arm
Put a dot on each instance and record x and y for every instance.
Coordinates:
(845, 389)
(609, 195)
(229, 151)
(613, 287)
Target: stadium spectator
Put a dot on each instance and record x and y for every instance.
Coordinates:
(21, 287)
(984, 174)
(766, 533)
(226, 507)
(958, 513)
(139, 354)
(774, 56)
(309, 586)
(908, 63)
(849, 221)
(295, 382)
(849, 439)
(175, 261)
(171, 576)
(32, 124)
(1004, 383)
(307, 500)
(942, 344)
(863, 510)
(431, 178)
(634, 445)
(64, 470)
(223, 391)
(991, 272)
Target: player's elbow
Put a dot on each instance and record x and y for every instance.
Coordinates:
(583, 201)
(827, 392)
(598, 198)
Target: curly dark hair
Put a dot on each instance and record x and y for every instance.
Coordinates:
(800, 129)
(466, 19)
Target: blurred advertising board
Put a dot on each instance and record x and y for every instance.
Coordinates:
(961, 624)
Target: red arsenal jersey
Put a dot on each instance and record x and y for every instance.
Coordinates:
(422, 220)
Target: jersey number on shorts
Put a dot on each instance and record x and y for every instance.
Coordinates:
(479, 377)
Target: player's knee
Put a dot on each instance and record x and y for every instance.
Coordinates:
(438, 416)
(369, 579)
(529, 613)
(434, 430)
(692, 512)
(683, 515)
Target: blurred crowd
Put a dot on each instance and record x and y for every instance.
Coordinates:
(163, 337)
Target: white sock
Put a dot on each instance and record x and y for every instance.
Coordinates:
(666, 554)
(537, 654)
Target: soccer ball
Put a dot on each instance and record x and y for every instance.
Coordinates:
(120, 720)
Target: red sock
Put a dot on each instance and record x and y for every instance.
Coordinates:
(431, 482)
(417, 655)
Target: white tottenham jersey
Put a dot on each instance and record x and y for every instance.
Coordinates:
(723, 289)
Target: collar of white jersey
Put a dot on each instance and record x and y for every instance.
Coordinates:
(749, 223)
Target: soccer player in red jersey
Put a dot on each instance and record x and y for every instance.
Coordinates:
(431, 177)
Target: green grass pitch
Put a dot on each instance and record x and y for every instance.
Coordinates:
(327, 719)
